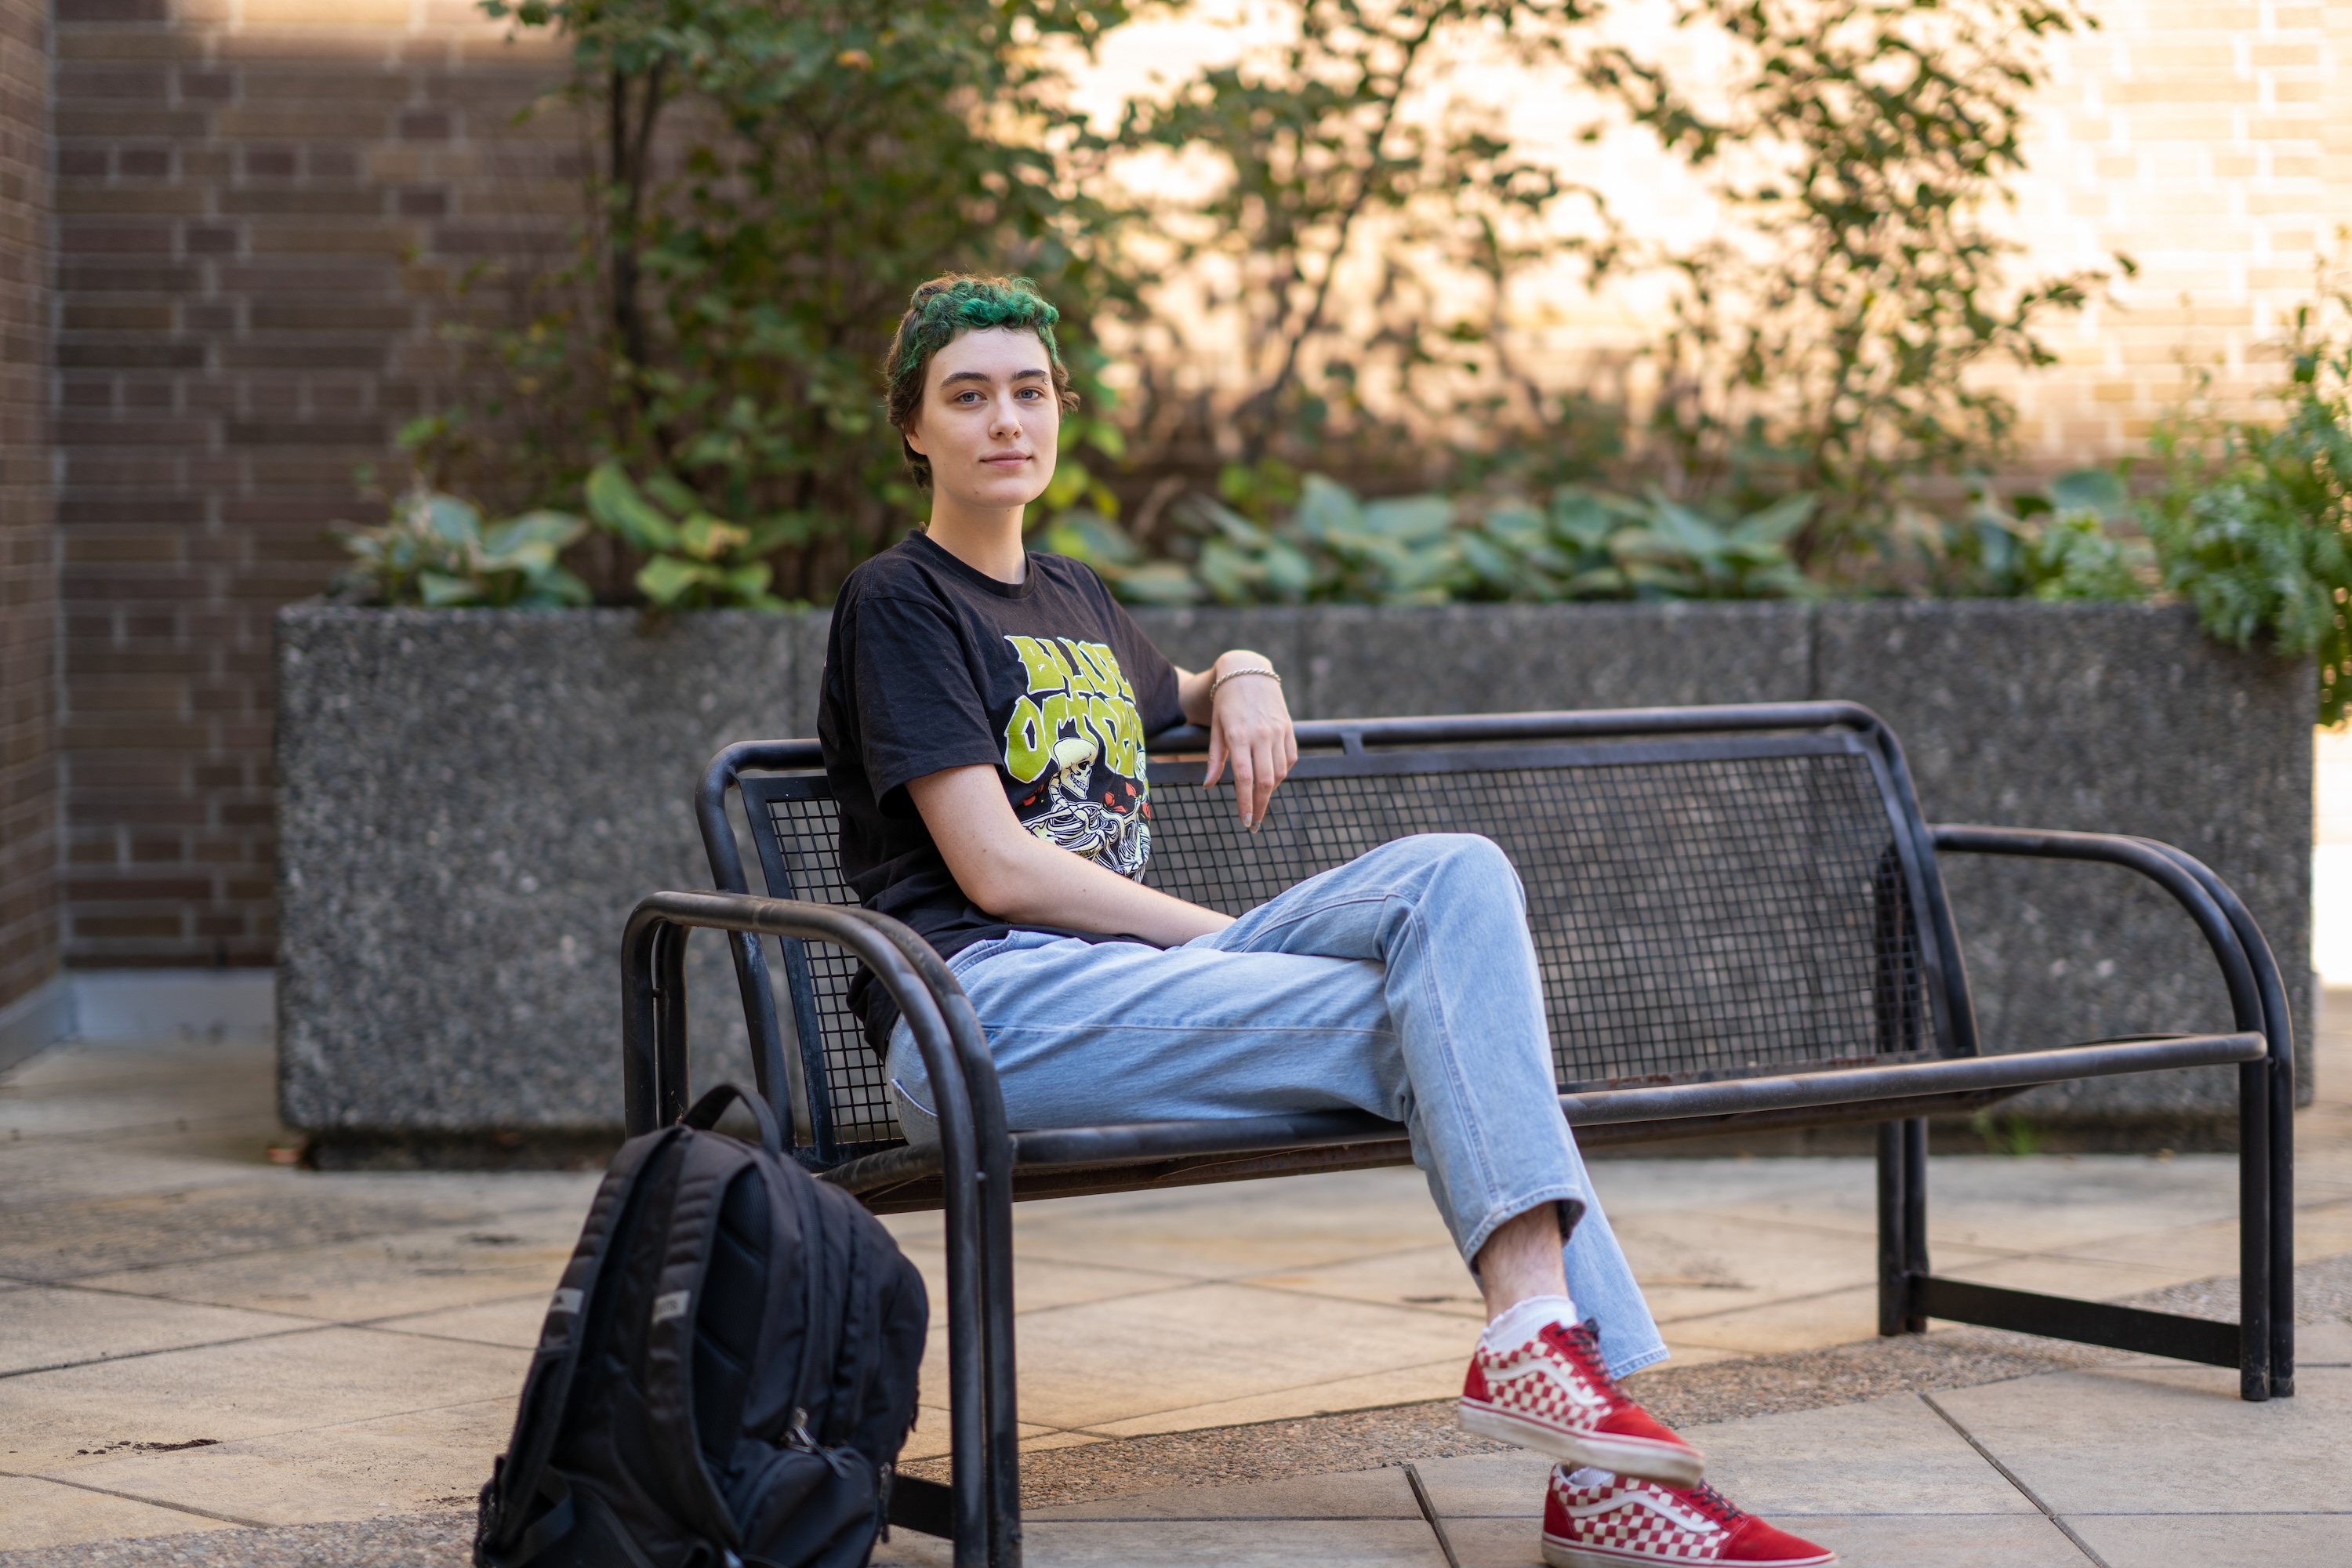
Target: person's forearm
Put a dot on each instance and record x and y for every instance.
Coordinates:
(1031, 882)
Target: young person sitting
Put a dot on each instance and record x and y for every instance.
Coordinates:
(983, 721)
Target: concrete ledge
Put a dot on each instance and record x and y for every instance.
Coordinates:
(139, 1004)
(471, 801)
(35, 1021)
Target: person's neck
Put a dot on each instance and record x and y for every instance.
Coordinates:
(987, 542)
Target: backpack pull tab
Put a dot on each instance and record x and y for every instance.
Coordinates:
(797, 1436)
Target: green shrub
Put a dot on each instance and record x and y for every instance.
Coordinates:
(2060, 545)
(1325, 544)
(695, 561)
(435, 552)
(2250, 519)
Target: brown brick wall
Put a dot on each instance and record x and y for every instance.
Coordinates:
(28, 610)
(258, 223)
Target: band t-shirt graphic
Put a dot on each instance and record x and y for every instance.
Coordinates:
(932, 664)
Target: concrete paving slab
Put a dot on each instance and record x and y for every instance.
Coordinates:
(514, 1322)
(1791, 1323)
(1354, 1494)
(2169, 1440)
(1888, 1455)
(38, 1513)
(44, 1326)
(396, 1464)
(397, 1272)
(1229, 1232)
(253, 1388)
(2231, 1541)
(1416, 1279)
(1486, 1485)
(2323, 1344)
(1106, 1362)
(2087, 1279)
(1367, 1391)
(1258, 1544)
(90, 1238)
(86, 1088)
(1697, 1264)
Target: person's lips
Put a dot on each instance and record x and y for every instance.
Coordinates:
(1006, 460)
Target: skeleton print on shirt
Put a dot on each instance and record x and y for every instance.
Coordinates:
(1075, 735)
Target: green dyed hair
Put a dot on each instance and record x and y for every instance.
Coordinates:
(942, 311)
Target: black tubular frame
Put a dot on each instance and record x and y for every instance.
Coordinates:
(980, 1167)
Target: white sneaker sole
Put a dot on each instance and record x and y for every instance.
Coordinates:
(1672, 1465)
(1558, 1553)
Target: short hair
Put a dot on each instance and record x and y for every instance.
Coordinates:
(942, 311)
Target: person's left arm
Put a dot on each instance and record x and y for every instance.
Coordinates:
(1248, 724)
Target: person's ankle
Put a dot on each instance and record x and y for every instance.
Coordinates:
(1523, 1320)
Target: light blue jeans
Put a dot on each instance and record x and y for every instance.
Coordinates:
(1402, 983)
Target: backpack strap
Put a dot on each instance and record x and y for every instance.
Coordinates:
(708, 1110)
(522, 1476)
(710, 1168)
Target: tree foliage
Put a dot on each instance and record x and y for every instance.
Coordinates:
(1826, 343)
(1339, 218)
(769, 181)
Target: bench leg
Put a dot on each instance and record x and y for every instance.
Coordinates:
(2282, 1229)
(1902, 1224)
(2256, 1182)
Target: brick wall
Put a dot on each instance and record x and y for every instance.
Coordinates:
(28, 762)
(261, 209)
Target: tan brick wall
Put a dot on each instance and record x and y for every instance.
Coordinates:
(28, 761)
(2211, 142)
(260, 210)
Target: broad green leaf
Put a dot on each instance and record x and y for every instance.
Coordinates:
(1327, 508)
(2099, 490)
(705, 538)
(453, 520)
(614, 503)
(667, 578)
(1413, 518)
(440, 591)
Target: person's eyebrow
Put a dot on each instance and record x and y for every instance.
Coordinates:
(983, 378)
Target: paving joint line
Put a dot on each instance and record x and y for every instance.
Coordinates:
(166, 1349)
(134, 1497)
(2013, 1478)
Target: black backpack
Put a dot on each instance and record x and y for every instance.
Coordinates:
(726, 1374)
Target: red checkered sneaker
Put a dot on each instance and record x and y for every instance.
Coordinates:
(1554, 1394)
(1617, 1520)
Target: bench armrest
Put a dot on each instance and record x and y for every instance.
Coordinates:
(2257, 995)
(976, 1153)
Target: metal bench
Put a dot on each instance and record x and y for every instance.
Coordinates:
(1740, 924)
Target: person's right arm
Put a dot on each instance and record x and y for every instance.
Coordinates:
(1022, 879)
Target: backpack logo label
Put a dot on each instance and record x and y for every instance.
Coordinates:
(565, 1301)
(670, 1305)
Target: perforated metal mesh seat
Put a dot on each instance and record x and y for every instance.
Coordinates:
(1707, 907)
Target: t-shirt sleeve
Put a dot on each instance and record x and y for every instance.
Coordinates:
(918, 709)
(1146, 669)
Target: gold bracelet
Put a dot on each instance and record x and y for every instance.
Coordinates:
(1231, 674)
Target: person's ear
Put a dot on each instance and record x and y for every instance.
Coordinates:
(911, 433)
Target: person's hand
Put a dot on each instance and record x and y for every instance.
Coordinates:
(1249, 725)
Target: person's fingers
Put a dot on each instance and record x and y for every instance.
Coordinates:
(1216, 755)
(1245, 785)
(1268, 774)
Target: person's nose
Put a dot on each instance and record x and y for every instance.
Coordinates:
(1005, 420)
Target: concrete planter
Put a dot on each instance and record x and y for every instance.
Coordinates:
(470, 802)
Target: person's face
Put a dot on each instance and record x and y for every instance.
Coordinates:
(989, 419)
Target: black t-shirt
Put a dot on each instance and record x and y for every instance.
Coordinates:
(932, 664)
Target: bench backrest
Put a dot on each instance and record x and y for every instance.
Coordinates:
(1712, 892)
